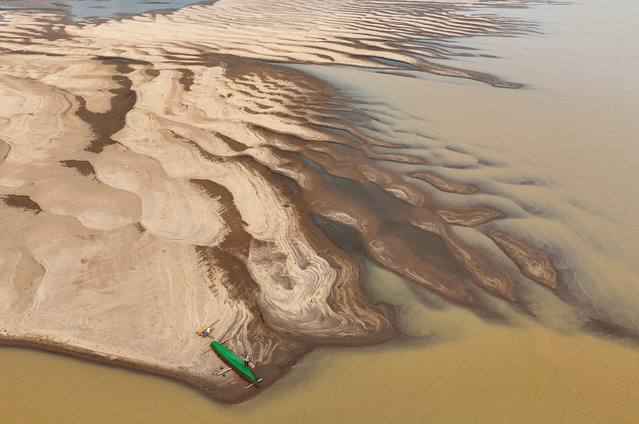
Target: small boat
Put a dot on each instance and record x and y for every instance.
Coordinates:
(233, 361)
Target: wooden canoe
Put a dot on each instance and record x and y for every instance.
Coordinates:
(233, 361)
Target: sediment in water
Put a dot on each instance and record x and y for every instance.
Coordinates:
(174, 170)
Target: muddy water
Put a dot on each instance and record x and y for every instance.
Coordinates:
(482, 373)
(558, 156)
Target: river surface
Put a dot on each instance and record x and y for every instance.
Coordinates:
(562, 159)
(484, 373)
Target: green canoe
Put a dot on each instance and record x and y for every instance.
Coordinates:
(234, 362)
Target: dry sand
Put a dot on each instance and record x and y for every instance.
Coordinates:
(157, 174)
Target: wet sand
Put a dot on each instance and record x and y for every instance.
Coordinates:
(143, 192)
(182, 192)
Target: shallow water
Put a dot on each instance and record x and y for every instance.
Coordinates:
(486, 373)
(82, 10)
(559, 156)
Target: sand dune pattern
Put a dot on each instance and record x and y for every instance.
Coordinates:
(160, 173)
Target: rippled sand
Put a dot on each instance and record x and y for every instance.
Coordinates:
(161, 172)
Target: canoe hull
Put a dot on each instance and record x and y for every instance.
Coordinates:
(233, 361)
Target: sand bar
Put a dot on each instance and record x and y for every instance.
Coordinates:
(159, 173)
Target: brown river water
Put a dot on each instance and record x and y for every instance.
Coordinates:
(562, 155)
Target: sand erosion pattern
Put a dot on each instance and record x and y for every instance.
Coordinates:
(159, 173)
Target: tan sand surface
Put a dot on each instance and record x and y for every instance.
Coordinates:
(157, 174)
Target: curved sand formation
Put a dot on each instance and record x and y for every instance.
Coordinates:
(445, 185)
(533, 263)
(376, 34)
(158, 175)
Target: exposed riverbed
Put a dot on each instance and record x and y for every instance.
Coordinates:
(557, 157)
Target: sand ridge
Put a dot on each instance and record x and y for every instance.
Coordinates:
(395, 35)
(175, 174)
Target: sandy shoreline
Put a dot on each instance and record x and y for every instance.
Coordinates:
(154, 183)
(208, 383)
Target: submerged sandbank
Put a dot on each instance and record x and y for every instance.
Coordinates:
(176, 173)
